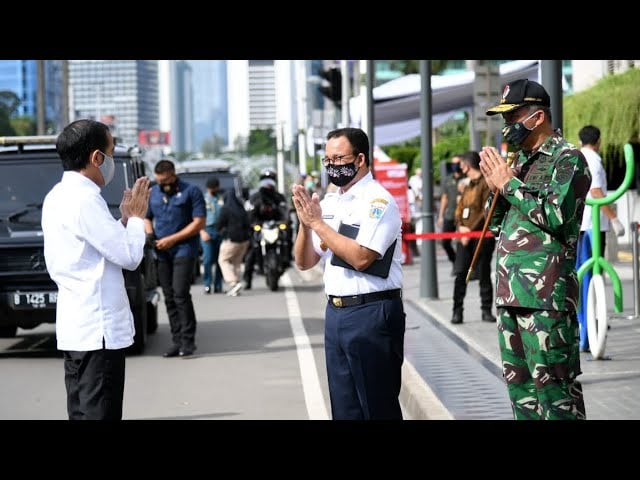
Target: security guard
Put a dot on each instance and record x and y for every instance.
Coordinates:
(357, 232)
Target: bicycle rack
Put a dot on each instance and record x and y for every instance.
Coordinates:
(596, 321)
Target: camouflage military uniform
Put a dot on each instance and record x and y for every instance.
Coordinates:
(537, 222)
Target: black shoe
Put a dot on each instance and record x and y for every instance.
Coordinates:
(207, 290)
(487, 316)
(457, 316)
(186, 352)
(217, 290)
(172, 352)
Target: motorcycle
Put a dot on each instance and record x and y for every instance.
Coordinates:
(272, 238)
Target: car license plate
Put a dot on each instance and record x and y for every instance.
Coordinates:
(34, 300)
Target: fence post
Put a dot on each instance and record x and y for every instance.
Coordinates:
(636, 268)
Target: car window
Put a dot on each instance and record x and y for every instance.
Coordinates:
(228, 181)
(26, 183)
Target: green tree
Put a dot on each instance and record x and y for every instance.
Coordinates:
(261, 141)
(24, 125)
(612, 105)
(405, 153)
(9, 103)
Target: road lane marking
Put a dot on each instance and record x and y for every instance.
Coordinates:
(313, 397)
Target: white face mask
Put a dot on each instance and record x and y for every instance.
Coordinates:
(107, 169)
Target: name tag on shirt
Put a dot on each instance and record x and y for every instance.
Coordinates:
(465, 212)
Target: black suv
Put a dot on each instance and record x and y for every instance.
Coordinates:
(29, 168)
(197, 172)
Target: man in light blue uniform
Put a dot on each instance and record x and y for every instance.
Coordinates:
(365, 319)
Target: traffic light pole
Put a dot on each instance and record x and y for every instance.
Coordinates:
(370, 79)
(346, 92)
(428, 275)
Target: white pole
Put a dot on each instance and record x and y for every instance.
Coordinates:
(344, 71)
(301, 100)
(364, 106)
(280, 156)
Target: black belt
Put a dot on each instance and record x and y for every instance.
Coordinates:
(351, 300)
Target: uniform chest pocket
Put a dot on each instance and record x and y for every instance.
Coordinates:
(180, 202)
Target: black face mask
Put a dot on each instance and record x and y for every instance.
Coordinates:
(340, 175)
(170, 188)
(516, 133)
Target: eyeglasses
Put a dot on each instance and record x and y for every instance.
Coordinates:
(336, 160)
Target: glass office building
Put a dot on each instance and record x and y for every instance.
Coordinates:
(21, 78)
(120, 93)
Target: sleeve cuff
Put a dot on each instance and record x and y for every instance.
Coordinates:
(510, 187)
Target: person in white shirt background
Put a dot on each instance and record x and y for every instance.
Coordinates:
(590, 144)
(85, 250)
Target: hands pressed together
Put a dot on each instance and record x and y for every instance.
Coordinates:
(307, 207)
(494, 168)
(135, 201)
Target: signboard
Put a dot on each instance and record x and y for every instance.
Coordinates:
(153, 138)
(393, 177)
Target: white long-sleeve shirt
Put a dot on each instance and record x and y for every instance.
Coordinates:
(85, 249)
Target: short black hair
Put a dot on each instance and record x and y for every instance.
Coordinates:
(471, 158)
(213, 182)
(164, 166)
(356, 137)
(589, 135)
(79, 140)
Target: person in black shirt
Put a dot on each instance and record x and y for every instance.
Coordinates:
(266, 204)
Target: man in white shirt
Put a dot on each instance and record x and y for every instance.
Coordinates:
(85, 250)
(590, 143)
(348, 231)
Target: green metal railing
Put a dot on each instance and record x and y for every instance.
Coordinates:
(597, 262)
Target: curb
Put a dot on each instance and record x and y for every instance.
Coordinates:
(417, 399)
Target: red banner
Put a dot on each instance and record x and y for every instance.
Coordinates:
(153, 137)
(393, 177)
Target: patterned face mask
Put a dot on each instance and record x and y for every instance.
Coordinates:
(517, 133)
(340, 175)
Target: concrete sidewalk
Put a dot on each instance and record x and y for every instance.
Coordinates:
(611, 386)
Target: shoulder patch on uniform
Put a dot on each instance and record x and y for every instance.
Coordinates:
(377, 207)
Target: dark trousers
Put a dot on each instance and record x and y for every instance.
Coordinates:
(364, 349)
(175, 278)
(210, 251)
(464, 255)
(449, 226)
(95, 384)
(251, 258)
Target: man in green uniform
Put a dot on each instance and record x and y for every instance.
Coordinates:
(537, 222)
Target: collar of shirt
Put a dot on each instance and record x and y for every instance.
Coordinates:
(76, 178)
(357, 187)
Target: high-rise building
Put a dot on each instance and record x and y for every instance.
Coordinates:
(181, 101)
(209, 83)
(20, 77)
(261, 96)
(120, 93)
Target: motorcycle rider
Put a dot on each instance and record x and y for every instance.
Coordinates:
(265, 204)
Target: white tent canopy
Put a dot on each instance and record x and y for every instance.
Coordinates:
(397, 102)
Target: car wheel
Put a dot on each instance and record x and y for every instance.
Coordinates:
(152, 317)
(8, 331)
